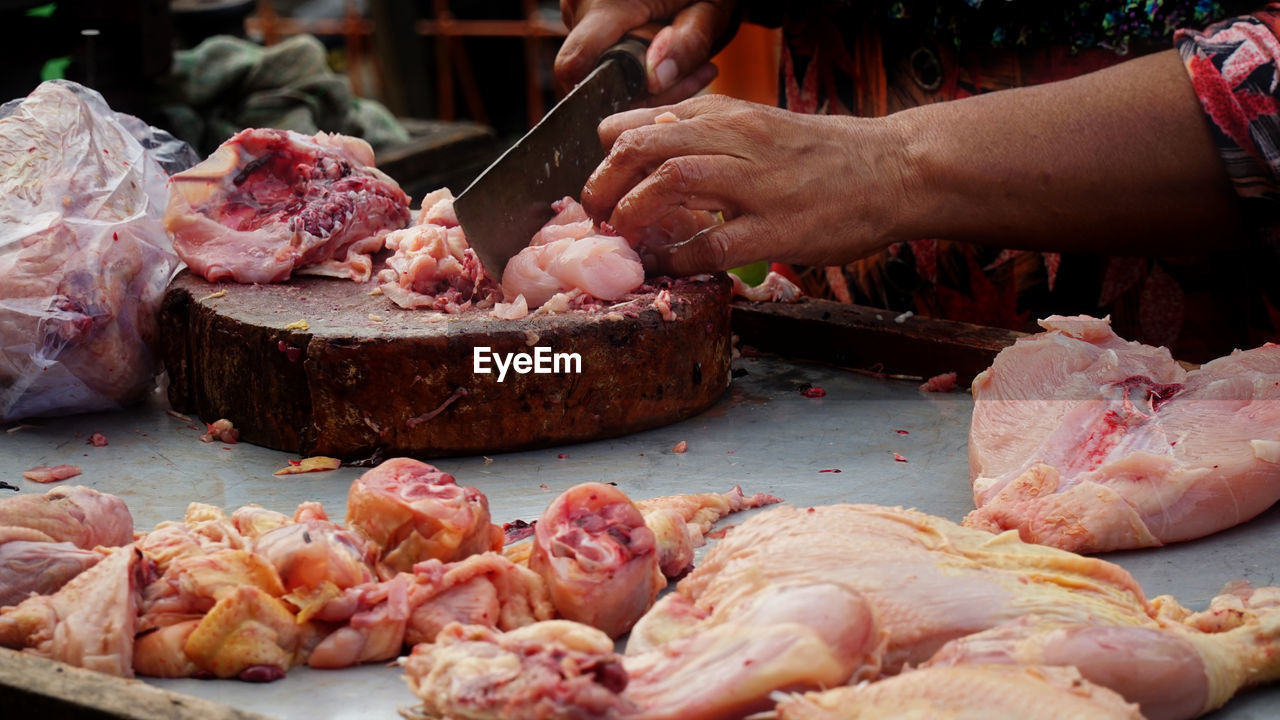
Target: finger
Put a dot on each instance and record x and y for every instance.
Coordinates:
(596, 29)
(685, 45)
(643, 145)
(639, 151)
(687, 87)
(709, 182)
(628, 161)
(614, 125)
(738, 242)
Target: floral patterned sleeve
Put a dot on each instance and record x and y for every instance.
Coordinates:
(1235, 70)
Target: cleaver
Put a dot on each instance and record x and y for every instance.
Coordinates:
(511, 200)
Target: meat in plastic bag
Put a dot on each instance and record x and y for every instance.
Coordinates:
(84, 258)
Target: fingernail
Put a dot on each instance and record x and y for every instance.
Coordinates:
(666, 73)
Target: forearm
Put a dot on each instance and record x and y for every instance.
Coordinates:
(1119, 161)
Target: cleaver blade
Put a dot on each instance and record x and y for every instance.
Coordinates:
(511, 200)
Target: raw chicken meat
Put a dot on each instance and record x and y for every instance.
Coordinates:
(317, 561)
(570, 259)
(801, 599)
(796, 637)
(215, 609)
(680, 523)
(179, 632)
(193, 583)
(942, 382)
(598, 558)
(1087, 442)
(76, 514)
(248, 634)
(483, 589)
(774, 288)
(602, 266)
(929, 580)
(270, 202)
(572, 253)
(39, 567)
(413, 512)
(374, 630)
(1191, 662)
(84, 259)
(780, 638)
(204, 529)
(967, 692)
(432, 266)
(554, 669)
(253, 520)
(45, 474)
(88, 623)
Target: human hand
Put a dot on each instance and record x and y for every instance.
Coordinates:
(807, 189)
(677, 61)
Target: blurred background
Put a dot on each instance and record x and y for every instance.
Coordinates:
(438, 87)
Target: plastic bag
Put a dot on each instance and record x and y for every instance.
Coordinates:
(84, 258)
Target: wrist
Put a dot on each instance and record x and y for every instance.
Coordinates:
(912, 163)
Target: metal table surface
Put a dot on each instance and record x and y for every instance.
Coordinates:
(762, 434)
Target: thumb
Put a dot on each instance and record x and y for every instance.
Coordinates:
(687, 44)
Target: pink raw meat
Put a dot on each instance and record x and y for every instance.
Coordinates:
(76, 514)
(39, 568)
(599, 559)
(89, 622)
(411, 512)
(601, 266)
(1087, 442)
(269, 202)
(432, 266)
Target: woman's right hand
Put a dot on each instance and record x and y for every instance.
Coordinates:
(678, 60)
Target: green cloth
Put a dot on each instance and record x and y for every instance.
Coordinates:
(226, 84)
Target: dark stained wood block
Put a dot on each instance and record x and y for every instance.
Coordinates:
(869, 339)
(367, 376)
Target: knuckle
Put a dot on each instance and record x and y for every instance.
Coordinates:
(629, 147)
(715, 248)
(700, 38)
(624, 210)
(678, 174)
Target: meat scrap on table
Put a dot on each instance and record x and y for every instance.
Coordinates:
(315, 463)
(1087, 442)
(255, 593)
(46, 474)
(220, 431)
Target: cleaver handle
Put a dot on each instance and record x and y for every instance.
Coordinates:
(629, 54)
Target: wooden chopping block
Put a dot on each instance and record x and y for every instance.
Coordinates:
(366, 377)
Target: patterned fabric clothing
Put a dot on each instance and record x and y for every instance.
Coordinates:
(860, 58)
(1233, 67)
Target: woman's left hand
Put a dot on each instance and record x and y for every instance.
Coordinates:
(814, 190)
